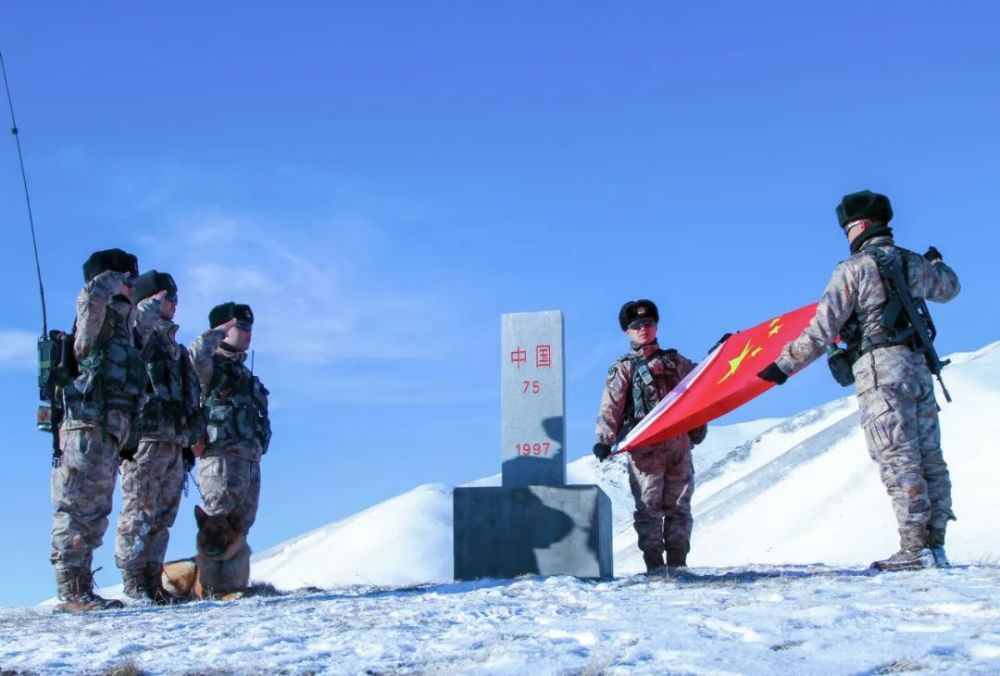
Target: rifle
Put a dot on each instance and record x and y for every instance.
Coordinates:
(908, 317)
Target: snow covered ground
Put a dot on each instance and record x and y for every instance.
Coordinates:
(765, 620)
(775, 498)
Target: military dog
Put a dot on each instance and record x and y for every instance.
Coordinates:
(221, 568)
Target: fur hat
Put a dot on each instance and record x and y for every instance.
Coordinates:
(866, 205)
(637, 309)
(152, 282)
(110, 259)
(222, 313)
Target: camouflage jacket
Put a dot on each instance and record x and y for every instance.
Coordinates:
(171, 404)
(617, 415)
(856, 287)
(106, 393)
(235, 401)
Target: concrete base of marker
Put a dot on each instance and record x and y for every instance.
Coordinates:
(532, 530)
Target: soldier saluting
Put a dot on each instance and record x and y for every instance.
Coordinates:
(100, 407)
(888, 358)
(169, 421)
(661, 476)
(235, 404)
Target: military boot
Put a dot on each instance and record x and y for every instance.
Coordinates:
(935, 540)
(676, 557)
(76, 592)
(654, 563)
(154, 583)
(135, 585)
(907, 559)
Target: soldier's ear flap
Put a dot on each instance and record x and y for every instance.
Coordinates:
(200, 516)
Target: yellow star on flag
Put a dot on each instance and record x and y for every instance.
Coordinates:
(734, 364)
(776, 326)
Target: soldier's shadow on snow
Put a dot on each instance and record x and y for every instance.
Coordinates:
(723, 576)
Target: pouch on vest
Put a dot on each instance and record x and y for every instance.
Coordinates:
(841, 363)
(221, 427)
(81, 399)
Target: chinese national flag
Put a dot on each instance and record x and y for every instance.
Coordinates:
(725, 380)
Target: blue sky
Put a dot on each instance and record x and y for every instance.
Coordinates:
(382, 180)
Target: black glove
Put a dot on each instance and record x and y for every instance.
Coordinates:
(773, 374)
(128, 453)
(933, 254)
(602, 451)
(720, 341)
(187, 455)
(698, 434)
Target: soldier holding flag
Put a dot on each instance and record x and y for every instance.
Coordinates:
(661, 475)
(889, 364)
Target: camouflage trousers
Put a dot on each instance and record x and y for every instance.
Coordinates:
(151, 495)
(662, 482)
(900, 422)
(82, 489)
(228, 481)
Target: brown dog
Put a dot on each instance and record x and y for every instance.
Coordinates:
(222, 566)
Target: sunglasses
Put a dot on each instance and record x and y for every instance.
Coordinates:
(172, 297)
(244, 326)
(640, 324)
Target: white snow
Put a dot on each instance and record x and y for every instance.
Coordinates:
(784, 619)
(792, 510)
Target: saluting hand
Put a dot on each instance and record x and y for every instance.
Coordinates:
(228, 325)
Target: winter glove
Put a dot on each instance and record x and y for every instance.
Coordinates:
(773, 374)
(719, 342)
(602, 451)
(187, 456)
(933, 254)
(698, 434)
(109, 283)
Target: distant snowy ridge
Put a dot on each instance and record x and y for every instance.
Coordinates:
(794, 491)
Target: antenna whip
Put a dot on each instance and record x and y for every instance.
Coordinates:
(27, 196)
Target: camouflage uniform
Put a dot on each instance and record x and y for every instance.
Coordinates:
(894, 387)
(100, 406)
(238, 428)
(661, 476)
(153, 478)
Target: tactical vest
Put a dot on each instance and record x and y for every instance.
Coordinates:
(111, 376)
(171, 400)
(645, 392)
(237, 406)
(895, 327)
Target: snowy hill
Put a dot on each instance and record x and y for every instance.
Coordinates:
(772, 492)
(795, 491)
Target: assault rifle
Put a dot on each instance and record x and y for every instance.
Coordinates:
(908, 318)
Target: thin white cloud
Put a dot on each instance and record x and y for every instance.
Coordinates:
(318, 296)
(17, 349)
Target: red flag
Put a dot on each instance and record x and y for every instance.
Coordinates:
(725, 380)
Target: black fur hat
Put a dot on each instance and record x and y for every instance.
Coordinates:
(637, 309)
(110, 259)
(222, 313)
(866, 205)
(151, 282)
